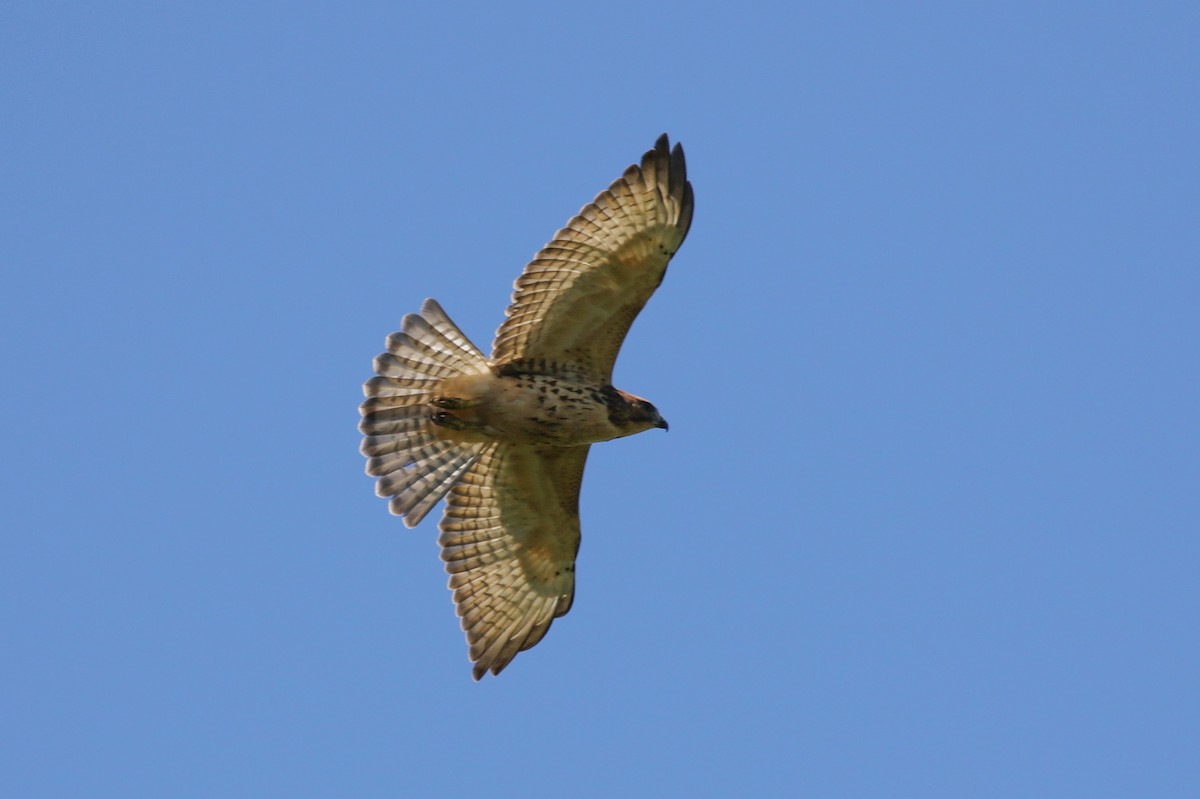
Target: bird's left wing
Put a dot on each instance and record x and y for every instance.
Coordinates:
(509, 538)
(576, 299)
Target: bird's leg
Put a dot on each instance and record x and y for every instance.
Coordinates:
(444, 419)
(453, 403)
(447, 416)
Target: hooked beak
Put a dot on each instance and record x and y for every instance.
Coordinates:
(663, 424)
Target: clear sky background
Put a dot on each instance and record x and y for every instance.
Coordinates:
(925, 524)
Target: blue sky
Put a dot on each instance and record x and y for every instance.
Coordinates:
(926, 520)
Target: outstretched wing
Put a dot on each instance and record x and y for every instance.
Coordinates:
(576, 300)
(509, 539)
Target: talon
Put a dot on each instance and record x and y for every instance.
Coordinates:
(453, 403)
(443, 419)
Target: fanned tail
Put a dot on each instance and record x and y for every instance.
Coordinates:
(414, 466)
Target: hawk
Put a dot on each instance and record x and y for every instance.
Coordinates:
(505, 438)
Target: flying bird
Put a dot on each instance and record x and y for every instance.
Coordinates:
(505, 438)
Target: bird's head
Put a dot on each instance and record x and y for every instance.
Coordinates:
(634, 414)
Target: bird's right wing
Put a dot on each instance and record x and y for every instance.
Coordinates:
(509, 538)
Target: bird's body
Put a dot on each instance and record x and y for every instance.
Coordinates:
(546, 409)
(505, 438)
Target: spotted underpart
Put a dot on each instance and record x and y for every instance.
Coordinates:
(554, 410)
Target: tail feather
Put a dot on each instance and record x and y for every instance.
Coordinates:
(441, 470)
(414, 465)
(386, 420)
(383, 386)
(390, 436)
(432, 313)
(408, 365)
(408, 355)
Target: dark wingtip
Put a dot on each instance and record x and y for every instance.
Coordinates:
(678, 184)
(662, 153)
(687, 208)
(678, 162)
(675, 162)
